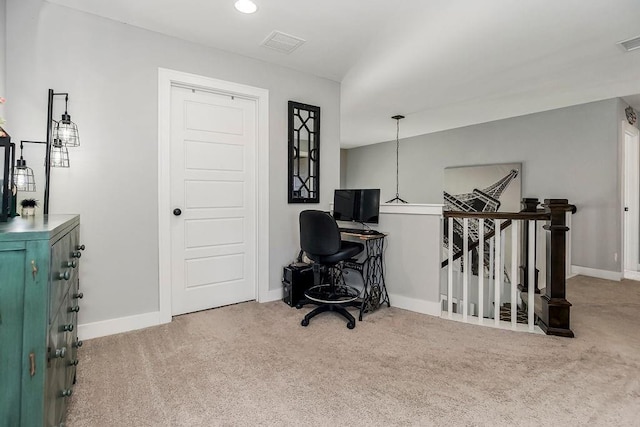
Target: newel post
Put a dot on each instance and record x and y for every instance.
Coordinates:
(555, 307)
(528, 205)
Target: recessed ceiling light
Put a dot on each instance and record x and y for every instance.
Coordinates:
(245, 6)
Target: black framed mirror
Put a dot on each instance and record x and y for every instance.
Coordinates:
(304, 153)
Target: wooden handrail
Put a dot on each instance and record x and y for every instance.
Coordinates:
(530, 216)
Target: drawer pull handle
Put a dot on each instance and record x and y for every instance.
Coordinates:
(32, 364)
(76, 254)
(34, 269)
(73, 363)
(80, 247)
(77, 344)
(79, 295)
(68, 328)
(60, 353)
(74, 309)
(72, 264)
(64, 276)
(67, 392)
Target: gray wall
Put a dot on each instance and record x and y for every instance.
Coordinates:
(566, 153)
(3, 59)
(344, 160)
(110, 70)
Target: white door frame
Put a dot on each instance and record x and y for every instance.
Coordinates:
(166, 79)
(630, 220)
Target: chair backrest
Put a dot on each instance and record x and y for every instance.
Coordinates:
(319, 234)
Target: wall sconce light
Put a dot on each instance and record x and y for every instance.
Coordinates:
(60, 135)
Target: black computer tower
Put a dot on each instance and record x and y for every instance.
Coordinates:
(296, 278)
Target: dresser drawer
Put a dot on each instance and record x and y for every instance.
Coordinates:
(58, 352)
(61, 274)
(61, 354)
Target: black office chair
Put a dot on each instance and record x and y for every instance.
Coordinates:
(320, 240)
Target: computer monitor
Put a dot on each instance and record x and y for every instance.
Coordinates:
(359, 205)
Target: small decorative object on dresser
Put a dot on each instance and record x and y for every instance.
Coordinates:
(28, 207)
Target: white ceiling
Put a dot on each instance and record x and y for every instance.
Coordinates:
(441, 63)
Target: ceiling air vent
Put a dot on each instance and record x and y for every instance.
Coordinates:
(282, 42)
(630, 44)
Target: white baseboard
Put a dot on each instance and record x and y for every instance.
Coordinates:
(271, 295)
(594, 272)
(140, 321)
(412, 304)
(119, 325)
(632, 275)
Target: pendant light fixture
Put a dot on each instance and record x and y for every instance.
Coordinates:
(397, 199)
(59, 156)
(23, 175)
(65, 130)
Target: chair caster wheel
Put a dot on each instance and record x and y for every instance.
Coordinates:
(304, 322)
(298, 306)
(351, 325)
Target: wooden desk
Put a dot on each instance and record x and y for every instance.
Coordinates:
(372, 271)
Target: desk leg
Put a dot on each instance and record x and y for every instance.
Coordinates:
(375, 290)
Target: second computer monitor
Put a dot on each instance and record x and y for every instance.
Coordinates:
(358, 205)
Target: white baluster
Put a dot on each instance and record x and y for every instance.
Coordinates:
(481, 270)
(492, 279)
(531, 268)
(515, 232)
(569, 272)
(465, 272)
(497, 273)
(450, 271)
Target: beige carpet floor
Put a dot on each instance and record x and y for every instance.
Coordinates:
(253, 364)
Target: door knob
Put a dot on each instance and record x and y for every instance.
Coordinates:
(177, 212)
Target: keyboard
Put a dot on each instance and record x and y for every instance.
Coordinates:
(360, 231)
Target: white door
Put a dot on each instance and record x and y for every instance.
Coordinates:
(631, 203)
(213, 232)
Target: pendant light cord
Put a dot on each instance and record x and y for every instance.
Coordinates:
(397, 158)
(397, 199)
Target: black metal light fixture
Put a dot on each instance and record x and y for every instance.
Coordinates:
(23, 175)
(60, 135)
(65, 131)
(59, 156)
(397, 199)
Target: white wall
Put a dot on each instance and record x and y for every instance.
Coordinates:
(566, 153)
(110, 70)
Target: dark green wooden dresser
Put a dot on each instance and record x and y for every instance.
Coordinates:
(39, 296)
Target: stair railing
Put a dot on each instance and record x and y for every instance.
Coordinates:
(481, 265)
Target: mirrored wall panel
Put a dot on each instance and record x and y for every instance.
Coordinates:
(304, 153)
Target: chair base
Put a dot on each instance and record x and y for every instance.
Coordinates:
(351, 321)
(332, 296)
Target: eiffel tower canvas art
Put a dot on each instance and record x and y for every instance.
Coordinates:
(484, 188)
